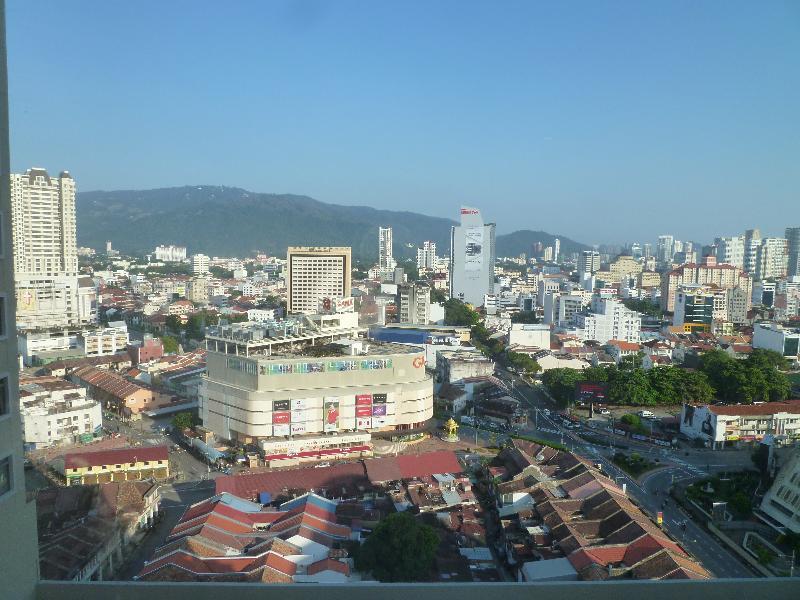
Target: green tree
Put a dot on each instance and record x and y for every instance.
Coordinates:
(693, 387)
(523, 362)
(183, 420)
(173, 323)
(438, 296)
(399, 549)
(631, 388)
(633, 420)
(458, 313)
(561, 383)
(170, 344)
(644, 306)
(525, 316)
(665, 383)
(630, 362)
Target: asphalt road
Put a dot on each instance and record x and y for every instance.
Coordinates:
(649, 493)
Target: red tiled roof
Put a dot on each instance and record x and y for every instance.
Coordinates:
(408, 466)
(623, 345)
(328, 564)
(768, 408)
(349, 476)
(112, 457)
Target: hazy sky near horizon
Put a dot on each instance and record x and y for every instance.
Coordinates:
(600, 121)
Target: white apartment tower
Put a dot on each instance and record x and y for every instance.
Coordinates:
(426, 256)
(556, 249)
(386, 261)
(665, 248)
(314, 275)
(731, 251)
(45, 249)
(200, 264)
(170, 253)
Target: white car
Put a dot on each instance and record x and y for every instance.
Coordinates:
(605, 411)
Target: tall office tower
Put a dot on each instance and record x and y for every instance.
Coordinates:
(472, 258)
(793, 239)
(20, 556)
(647, 250)
(771, 259)
(413, 302)
(426, 256)
(316, 274)
(636, 250)
(556, 249)
(730, 250)
(665, 248)
(45, 249)
(588, 262)
(385, 261)
(200, 264)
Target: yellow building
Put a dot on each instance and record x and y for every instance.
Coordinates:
(123, 464)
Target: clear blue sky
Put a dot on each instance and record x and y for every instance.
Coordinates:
(603, 121)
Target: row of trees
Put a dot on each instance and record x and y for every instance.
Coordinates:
(754, 379)
(644, 306)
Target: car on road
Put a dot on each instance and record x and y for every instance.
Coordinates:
(605, 411)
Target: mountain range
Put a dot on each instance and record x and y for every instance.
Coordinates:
(228, 221)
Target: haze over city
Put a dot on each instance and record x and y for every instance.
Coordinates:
(668, 116)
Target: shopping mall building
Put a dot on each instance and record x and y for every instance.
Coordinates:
(307, 376)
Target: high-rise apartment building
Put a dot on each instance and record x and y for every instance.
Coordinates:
(665, 248)
(316, 274)
(752, 242)
(19, 558)
(426, 256)
(472, 257)
(386, 261)
(709, 272)
(170, 253)
(588, 262)
(793, 241)
(45, 249)
(771, 259)
(200, 264)
(608, 320)
(556, 249)
(413, 302)
(730, 250)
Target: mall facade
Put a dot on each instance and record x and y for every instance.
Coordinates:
(310, 376)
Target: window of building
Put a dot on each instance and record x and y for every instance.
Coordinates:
(4, 399)
(2, 315)
(89, 468)
(5, 476)
(133, 464)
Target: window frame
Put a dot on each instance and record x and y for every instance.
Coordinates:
(4, 377)
(8, 459)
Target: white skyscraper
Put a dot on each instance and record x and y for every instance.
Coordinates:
(665, 248)
(426, 256)
(472, 258)
(386, 262)
(588, 262)
(731, 250)
(556, 249)
(45, 249)
(200, 264)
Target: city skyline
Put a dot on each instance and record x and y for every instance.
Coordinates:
(698, 123)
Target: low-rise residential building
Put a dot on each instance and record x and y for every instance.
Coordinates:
(455, 365)
(555, 505)
(83, 530)
(106, 341)
(56, 411)
(106, 466)
(117, 394)
(721, 425)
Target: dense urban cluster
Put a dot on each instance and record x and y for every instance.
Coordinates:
(335, 418)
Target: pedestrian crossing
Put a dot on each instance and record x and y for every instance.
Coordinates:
(694, 469)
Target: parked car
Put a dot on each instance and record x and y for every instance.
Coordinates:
(605, 411)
